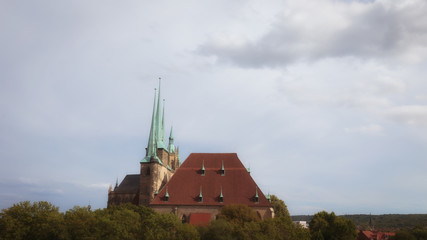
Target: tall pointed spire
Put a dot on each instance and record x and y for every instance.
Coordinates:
(159, 123)
(162, 127)
(151, 147)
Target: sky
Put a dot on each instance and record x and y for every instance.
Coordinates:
(325, 101)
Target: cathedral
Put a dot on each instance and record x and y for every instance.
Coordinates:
(196, 189)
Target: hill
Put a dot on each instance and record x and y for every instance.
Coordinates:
(380, 222)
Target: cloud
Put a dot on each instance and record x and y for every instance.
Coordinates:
(368, 129)
(312, 30)
(409, 114)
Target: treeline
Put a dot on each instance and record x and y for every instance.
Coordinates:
(42, 220)
(416, 233)
(387, 222)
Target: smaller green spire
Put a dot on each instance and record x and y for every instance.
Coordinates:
(171, 147)
(117, 183)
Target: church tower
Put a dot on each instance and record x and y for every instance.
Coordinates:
(161, 160)
(156, 168)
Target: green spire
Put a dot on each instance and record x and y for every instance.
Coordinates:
(171, 147)
(162, 127)
(159, 126)
(151, 155)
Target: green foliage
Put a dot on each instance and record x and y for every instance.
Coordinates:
(280, 208)
(40, 220)
(417, 233)
(81, 223)
(241, 222)
(117, 223)
(325, 226)
(167, 226)
(386, 222)
(238, 214)
(219, 229)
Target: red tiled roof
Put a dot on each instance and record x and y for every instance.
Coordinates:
(374, 235)
(200, 219)
(237, 185)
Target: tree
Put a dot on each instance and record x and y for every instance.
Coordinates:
(117, 222)
(40, 220)
(238, 214)
(81, 223)
(325, 226)
(280, 208)
(219, 229)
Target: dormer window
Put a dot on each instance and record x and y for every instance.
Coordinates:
(200, 195)
(256, 198)
(166, 195)
(203, 171)
(222, 171)
(221, 197)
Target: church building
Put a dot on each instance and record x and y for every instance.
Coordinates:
(195, 190)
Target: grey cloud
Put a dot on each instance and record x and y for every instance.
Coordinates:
(409, 114)
(376, 30)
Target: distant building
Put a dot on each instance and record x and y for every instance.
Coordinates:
(194, 191)
(303, 224)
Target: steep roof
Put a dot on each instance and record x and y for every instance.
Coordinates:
(189, 183)
(130, 184)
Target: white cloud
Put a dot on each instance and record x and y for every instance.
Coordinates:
(368, 129)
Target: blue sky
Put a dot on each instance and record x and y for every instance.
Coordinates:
(326, 101)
